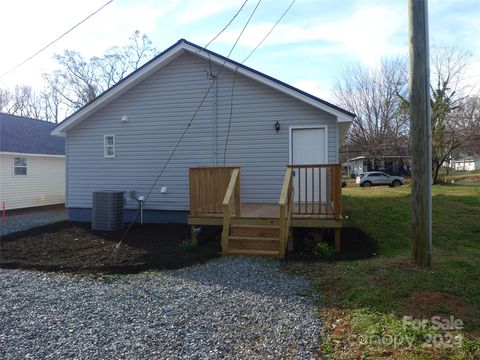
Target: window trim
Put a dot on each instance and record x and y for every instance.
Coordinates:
(20, 166)
(105, 146)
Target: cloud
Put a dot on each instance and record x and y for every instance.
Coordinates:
(194, 10)
(367, 34)
(113, 25)
(317, 88)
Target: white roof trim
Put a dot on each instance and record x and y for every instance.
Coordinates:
(341, 117)
(466, 160)
(166, 58)
(30, 154)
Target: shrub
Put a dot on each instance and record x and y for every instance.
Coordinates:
(189, 245)
(323, 249)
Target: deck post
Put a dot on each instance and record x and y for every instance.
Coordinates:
(338, 239)
(238, 204)
(338, 192)
(194, 233)
(283, 235)
(290, 240)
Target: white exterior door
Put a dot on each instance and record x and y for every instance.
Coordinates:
(309, 147)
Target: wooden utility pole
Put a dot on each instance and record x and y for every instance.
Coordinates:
(421, 133)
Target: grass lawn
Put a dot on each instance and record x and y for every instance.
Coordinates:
(364, 302)
(462, 177)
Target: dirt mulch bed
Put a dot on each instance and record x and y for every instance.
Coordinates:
(355, 244)
(74, 247)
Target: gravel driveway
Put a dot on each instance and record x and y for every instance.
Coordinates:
(29, 219)
(228, 308)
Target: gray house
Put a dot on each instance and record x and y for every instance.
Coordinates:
(122, 139)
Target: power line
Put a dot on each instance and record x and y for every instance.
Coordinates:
(244, 27)
(201, 103)
(215, 77)
(235, 77)
(54, 41)
(226, 26)
(270, 31)
(230, 117)
(221, 31)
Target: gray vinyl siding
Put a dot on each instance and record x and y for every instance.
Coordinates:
(159, 109)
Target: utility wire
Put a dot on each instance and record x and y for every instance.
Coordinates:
(270, 31)
(215, 77)
(235, 77)
(54, 41)
(241, 32)
(226, 26)
(201, 103)
(230, 117)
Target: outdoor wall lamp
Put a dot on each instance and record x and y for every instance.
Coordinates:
(277, 126)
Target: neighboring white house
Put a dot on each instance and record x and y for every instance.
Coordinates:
(32, 163)
(392, 164)
(228, 113)
(465, 163)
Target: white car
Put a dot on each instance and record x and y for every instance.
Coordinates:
(374, 178)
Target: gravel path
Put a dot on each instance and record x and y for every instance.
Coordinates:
(30, 219)
(237, 308)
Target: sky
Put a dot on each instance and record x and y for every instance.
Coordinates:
(309, 49)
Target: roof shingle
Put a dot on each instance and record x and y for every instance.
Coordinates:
(31, 136)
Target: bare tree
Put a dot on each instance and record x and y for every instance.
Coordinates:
(455, 119)
(118, 62)
(79, 81)
(22, 101)
(53, 95)
(5, 100)
(455, 124)
(382, 123)
(378, 97)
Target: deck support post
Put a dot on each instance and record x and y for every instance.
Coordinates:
(338, 239)
(290, 240)
(194, 233)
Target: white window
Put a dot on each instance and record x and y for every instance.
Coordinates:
(109, 146)
(19, 166)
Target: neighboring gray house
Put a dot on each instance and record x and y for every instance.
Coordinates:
(121, 140)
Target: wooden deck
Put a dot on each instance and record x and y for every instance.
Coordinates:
(310, 197)
(263, 213)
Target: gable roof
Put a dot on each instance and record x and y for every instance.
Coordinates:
(173, 52)
(20, 134)
(464, 157)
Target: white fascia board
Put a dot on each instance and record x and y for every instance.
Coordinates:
(29, 154)
(166, 58)
(341, 117)
(119, 89)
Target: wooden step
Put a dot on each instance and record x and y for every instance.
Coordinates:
(234, 221)
(254, 243)
(253, 252)
(255, 231)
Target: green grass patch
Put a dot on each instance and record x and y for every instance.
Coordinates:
(375, 294)
(189, 245)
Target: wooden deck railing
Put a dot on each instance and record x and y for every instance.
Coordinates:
(208, 186)
(233, 192)
(318, 189)
(286, 209)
